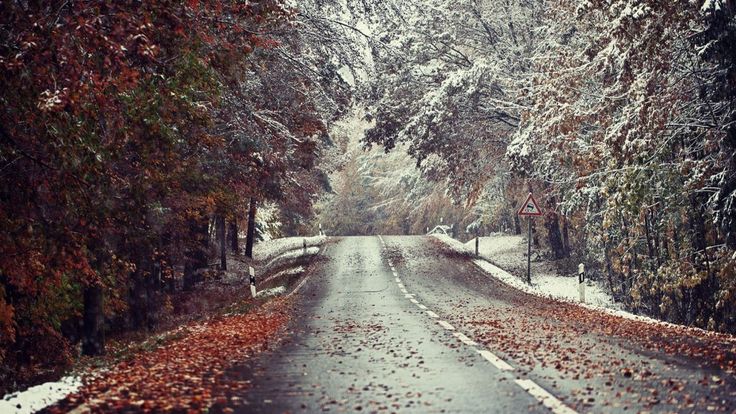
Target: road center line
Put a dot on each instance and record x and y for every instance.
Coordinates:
(446, 325)
(414, 301)
(432, 314)
(464, 339)
(543, 396)
(496, 361)
(422, 307)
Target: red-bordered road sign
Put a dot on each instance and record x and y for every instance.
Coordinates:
(530, 207)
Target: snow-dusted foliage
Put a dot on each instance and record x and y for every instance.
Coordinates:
(382, 193)
(453, 95)
(618, 113)
(628, 127)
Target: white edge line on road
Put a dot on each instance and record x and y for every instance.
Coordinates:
(401, 285)
(446, 325)
(414, 301)
(432, 314)
(404, 291)
(422, 307)
(408, 295)
(496, 361)
(398, 280)
(395, 274)
(464, 339)
(543, 396)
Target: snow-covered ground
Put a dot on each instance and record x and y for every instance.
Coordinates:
(508, 254)
(269, 250)
(504, 257)
(41, 396)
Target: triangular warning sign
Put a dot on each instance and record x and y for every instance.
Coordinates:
(530, 207)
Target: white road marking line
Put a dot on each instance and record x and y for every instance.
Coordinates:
(404, 291)
(401, 285)
(395, 274)
(408, 295)
(414, 301)
(422, 307)
(446, 325)
(496, 361)
(547, 399)
(393, 269)
(398, 280)
(464, 339)
(299, 286)
(432, 314)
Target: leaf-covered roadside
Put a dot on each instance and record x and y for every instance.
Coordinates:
(186, 374)
(566, 341)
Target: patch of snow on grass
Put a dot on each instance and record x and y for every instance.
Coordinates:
(279, 290)
(509, 251)
(452, 243)
(39, 396)
(287, 272)
(268, 250)
(555, 287)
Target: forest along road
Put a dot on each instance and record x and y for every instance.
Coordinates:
(403, 324)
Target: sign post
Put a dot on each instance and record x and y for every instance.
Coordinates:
(530, 209)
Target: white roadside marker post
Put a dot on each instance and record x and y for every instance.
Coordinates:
(252, 273)
(581, 282)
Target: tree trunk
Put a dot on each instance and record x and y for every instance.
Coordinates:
(196, 257)
(222, 241)
(93, 340)
(233, 231)
(251, 229)
(554, 235)
(517, 221)
(566, 236)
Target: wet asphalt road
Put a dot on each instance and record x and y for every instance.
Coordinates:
(395, 324)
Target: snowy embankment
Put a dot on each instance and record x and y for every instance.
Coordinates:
(502, 254)
(268, 252)
(509, 252)
(40, 396)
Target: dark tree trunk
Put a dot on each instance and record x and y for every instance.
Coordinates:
(566, 236)
(249, 239)
(93, 340)
(517, 221)
(139, 292)
(222, 241)
(233, 231)
(196, 257)
(554, 235)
